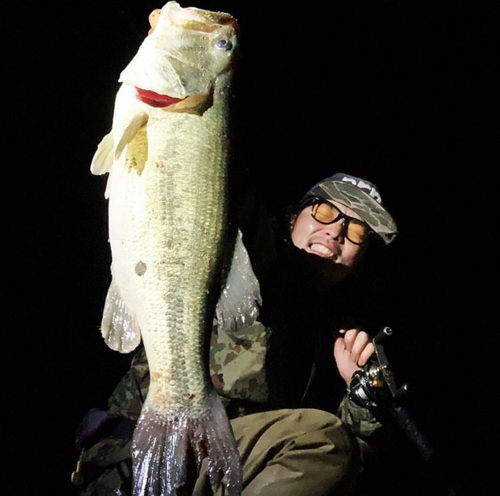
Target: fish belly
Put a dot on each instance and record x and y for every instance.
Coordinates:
(168, 230)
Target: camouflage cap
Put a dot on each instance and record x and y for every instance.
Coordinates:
(360, 196)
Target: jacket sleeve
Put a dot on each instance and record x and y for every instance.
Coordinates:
(361, 421)
(129, 395)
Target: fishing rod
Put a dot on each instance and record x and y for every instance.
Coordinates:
(374, 386)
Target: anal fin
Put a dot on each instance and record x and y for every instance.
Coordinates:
(119, 327)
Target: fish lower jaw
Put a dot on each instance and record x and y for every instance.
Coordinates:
(156, 100)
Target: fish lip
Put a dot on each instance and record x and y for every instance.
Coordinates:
(154, 99)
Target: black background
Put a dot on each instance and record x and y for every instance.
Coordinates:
(399, 92)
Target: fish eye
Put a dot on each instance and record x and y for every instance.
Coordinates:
(223, 44)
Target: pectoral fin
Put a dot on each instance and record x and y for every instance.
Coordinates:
(103, 157)
(129, 132)
(119, 327)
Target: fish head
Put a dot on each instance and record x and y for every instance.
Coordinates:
(186, 50)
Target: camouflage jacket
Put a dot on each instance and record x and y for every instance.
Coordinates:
(237, 367)
(238, 372)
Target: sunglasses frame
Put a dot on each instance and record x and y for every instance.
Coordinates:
(316, 200)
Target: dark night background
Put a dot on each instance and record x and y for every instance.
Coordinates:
(399, 92)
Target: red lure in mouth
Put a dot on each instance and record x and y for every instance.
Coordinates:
(155, 99)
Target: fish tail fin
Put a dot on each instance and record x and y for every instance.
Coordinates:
(163, 445)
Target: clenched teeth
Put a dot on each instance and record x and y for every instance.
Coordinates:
(322, 250)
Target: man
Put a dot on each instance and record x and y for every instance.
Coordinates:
(284, 377)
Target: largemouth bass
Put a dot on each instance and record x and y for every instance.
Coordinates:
(167, 157)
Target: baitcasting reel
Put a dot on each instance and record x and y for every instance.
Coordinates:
(374, 384)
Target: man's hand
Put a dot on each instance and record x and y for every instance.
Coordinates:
(352, 350)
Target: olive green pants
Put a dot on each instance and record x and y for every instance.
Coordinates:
(302, 452)
(293, 453)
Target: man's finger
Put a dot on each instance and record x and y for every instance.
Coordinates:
(366, 354)
(350, 337)
(360, 342)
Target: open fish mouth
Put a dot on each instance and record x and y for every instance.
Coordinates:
(156, 100)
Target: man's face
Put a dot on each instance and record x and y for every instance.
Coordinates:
(326, 240)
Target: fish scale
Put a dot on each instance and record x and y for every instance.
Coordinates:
(195, 227)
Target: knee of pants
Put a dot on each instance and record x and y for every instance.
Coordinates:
(292, 449)
(315, 435)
